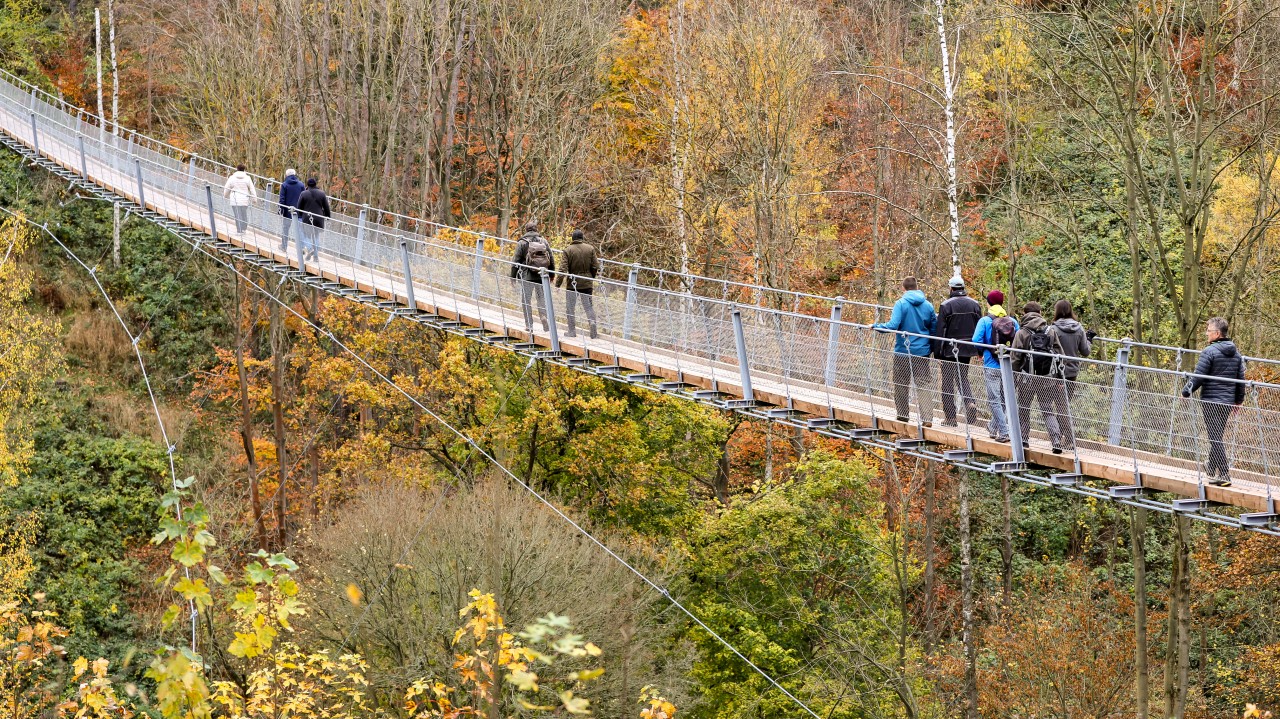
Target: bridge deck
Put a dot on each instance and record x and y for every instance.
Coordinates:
(1096, 459)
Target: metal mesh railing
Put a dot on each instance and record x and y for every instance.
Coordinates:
(1114, 419)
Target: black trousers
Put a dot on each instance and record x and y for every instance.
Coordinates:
(955, 380)
(572, 298)
(1216, 416)
(908, 370)
(1051, 394)
(529, 291)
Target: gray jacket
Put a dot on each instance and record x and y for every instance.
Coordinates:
(1075, 343)
(1219, 359)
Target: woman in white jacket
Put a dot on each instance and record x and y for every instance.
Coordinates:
(240, 191)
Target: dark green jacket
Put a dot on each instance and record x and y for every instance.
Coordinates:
(580, 265)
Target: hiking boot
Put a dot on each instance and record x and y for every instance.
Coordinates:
(926, 424)
(1001, 440)
(1057, 449)
(902, 419)
(1222, 480)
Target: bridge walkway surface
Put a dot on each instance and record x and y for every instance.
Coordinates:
(1137, 440)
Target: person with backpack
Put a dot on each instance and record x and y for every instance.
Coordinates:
(958, 317)
(313, 209)
(1038, 357)
(580, 266)
(1076, 342)
(912, 314)
(533, 257)
(239, 190)
(1219, 376)
(996, 329)
(290, 191)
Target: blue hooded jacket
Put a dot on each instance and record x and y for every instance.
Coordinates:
(914, 314)
(290, 190)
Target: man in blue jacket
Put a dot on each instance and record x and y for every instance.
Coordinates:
(290, 191)
(912, 314)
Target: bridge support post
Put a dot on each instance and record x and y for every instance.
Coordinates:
(744, 367)
(408, 276)
(833, 341)
(549, 297)
(142, 197)
(360, 225)
(35, 139)
(475, 271)
(629, 312)
(1011, 406)
(1119, 392)
(191, 169)
(84, 164)
(208, 199)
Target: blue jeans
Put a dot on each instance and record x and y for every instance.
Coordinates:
(999, 424)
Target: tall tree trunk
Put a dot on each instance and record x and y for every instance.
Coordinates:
(1006, 545)
(967, 605)
(1138, 541)
(930, 487)
(1177, 635)
(246, 421)
(277, 421)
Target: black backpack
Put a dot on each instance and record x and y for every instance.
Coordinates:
(537, 252)
(1042, 354)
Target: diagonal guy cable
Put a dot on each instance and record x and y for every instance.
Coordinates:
(137, 351)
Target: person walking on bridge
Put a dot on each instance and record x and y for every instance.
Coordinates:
(914, 320)
(533, 257)
(290, 191)
(239, 190)
(580, 267)
(1219, 376)
(958, 317)
(313, 210)
(1076, 342)
(1038, 359)
(995, 329)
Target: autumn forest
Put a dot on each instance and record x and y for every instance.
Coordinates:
(223, 494)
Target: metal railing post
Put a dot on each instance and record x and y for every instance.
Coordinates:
(833, 341)
(360, 225)
(408, 275)
(84, 164)
(35, 139)
(744, 368)
(1011, 405)
(475, 272)
(208, 198)
(191, 169)
(629, 312)
(547, 297)
(1119, 393)
(142, 198)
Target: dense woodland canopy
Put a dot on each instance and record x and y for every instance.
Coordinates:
(1116, 153)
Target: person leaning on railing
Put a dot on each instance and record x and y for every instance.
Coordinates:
(914, 315)
(1219, 398)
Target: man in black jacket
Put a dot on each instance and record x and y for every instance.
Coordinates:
(313, 209)
(533, 257)
(580, 265)
(958, 315)
(1219, 398)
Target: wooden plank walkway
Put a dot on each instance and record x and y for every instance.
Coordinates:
(1097, 460)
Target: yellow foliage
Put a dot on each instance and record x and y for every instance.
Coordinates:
(27, 353)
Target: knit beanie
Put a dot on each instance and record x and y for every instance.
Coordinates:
(995, 297)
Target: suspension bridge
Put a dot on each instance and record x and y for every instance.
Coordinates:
(806, 361)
